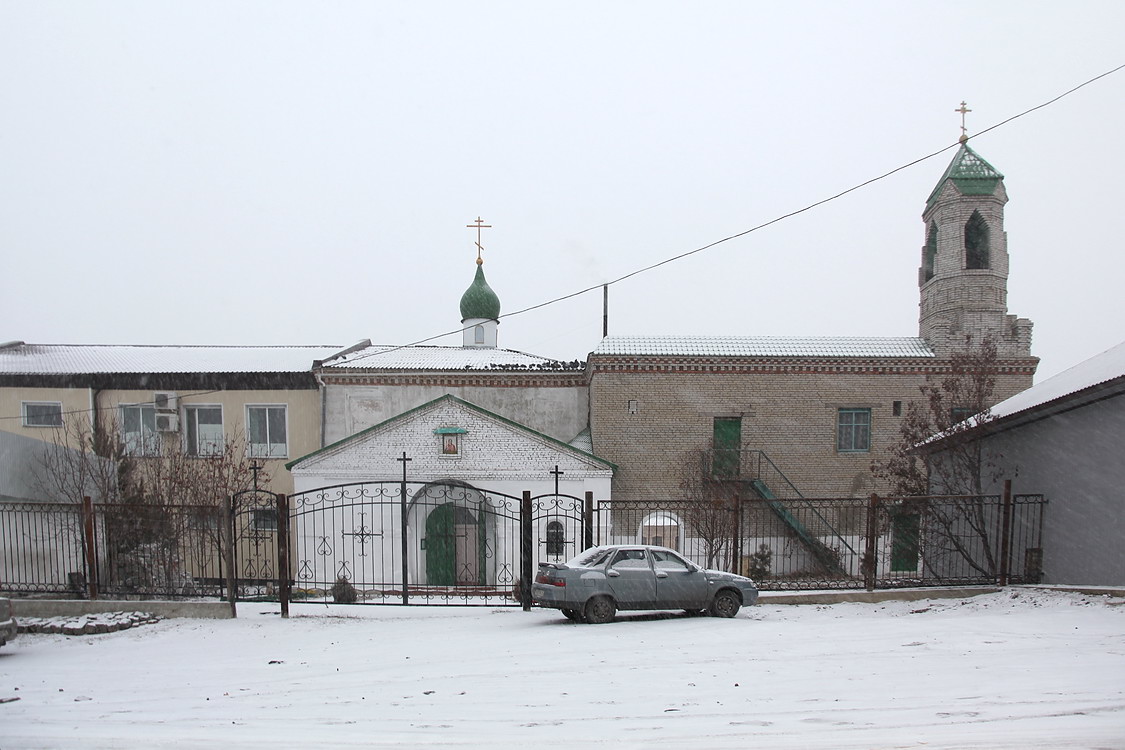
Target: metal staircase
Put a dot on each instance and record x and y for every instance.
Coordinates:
(764, 475)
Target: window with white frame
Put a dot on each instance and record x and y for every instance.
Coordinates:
(204, 430)
(138, 430)
(42, 413)
(266, 431)
(853, 431)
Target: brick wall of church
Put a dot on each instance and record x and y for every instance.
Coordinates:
(650, 415)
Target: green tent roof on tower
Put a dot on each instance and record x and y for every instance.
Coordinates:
(479, 301)
(970, 173)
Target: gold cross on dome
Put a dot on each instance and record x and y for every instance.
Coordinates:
(964, 110)
(479, 225)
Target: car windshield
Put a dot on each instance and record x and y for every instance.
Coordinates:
(591, 557)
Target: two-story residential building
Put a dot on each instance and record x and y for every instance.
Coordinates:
(193, 399)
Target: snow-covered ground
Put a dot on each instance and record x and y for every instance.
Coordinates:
(1020, 669)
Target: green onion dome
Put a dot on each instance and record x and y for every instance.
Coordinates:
(479, 301)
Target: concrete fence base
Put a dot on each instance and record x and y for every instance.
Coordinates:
(78, 607)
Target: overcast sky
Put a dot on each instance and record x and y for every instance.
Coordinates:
(303, 173)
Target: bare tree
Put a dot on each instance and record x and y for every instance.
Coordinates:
(160, 509)
(78, 462)
(939, 453)
(710, 508)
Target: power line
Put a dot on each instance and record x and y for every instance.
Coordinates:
(751, 230)
(738, 235)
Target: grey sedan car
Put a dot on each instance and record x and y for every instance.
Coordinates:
(601, 580)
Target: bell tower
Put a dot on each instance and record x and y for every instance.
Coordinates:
(964, 273)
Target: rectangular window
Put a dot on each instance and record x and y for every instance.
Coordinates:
(265, 519)
(266, 431)
(960, 414)
(853, 430)
(727, 439)
(42, 413)
(204, 430)
(138, 430)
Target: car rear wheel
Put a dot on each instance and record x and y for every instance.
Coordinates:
(600, 609)
(725, 604)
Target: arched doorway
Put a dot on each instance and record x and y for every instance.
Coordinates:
(454, 544)
(452, 532)
(662, 529)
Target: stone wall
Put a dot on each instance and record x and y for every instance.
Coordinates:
(651, 413)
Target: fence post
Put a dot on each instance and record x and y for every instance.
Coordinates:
(283, 581)
(228, 553)
(525, 551)
(736, 542)
(870, 562)
(1005, 532)
(588, 523)
(404, 513)
(90, 540)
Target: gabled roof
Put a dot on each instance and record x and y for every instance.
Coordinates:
(411, 413)
(65, 359)
(763, 346)
(387, 357)
(970, 173)
(1095, 379)
(1076, 384)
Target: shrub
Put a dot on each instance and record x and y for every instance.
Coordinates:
(343, 592)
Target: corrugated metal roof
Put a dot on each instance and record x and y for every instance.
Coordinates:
(57, 359)
(763, 346)
(1107, 366)
(377, 357)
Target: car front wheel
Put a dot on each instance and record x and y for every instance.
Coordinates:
(725, 604)
(600, 609)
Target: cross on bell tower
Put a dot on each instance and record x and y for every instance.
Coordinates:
(964, 110)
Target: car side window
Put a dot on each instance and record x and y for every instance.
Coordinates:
(669, 562)
(630, 558)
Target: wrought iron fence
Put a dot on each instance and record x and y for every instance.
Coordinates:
(844, 543)
(122, 550)
(450, 543)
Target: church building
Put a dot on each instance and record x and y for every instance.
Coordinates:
(806, 417)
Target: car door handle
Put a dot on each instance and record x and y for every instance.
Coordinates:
(661, 574)
(613, 574)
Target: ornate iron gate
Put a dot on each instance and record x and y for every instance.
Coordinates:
(440, 542)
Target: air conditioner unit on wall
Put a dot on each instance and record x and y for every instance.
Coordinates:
(166, 401)
(167, 422)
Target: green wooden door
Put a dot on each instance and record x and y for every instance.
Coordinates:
(905, 531)
(727, 440)
(441, 558)
(455, 547)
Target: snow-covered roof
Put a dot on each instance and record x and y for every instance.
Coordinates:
(1054, 394)
(65, 359)
(764, 346)
(1107, 366)
(385, 357)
